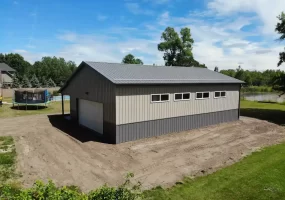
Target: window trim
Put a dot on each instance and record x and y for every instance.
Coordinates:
(220, 94)
(202, 96)
(182, 96)
(160, 98)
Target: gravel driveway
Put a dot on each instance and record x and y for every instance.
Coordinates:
(46, 152)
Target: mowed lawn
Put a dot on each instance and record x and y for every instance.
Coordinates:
(54, 107)
(258, 176)
(273, 112)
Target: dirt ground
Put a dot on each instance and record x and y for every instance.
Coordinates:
(45, 152)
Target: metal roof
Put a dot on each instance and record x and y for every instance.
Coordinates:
(148, 74)
(5, 67)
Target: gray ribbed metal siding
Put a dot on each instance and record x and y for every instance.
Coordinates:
(133, 103)
(135, 131)
(90, 85)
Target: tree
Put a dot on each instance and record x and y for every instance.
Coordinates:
(178, 49)
(56, 68)
(240, 74)
(130, 59)
(17, 62)
(16, 81)
(216, 69)
(26, 82)
(43, 82)
(279, 82)
(50, 83)
(248, 80)
(35, 82)
(280, 28)
(229, 72)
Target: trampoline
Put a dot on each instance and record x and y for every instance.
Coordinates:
(31, 97)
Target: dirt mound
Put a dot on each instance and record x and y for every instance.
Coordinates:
(45, 153)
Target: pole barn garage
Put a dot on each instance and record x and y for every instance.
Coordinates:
(129, 102)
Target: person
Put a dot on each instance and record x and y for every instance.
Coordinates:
(1, 99)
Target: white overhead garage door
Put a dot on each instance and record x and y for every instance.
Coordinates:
(91, 115)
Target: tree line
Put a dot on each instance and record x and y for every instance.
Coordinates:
(49, 72)
(256, 78)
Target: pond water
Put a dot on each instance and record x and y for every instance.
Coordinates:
(274, 97)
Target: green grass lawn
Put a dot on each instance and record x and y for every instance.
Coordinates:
(7, 159)
(273, 112)
(258, 176)
(54, 107)
(262, 105)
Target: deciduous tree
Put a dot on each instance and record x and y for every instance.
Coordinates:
(130, 59)
(17, 62)
(57, 69)
(178, 48)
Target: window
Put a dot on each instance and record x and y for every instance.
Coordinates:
(164, 97)
(181, 96)
(217, 94)
(220, 94)
(178, 97)
(206, 95)
(202, 95)
(155, 97)
(159, 97)
(199, 95)
(186, 96)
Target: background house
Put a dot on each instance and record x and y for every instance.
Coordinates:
(6, 75)
(129, 102)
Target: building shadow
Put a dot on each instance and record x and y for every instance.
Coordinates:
(75, 131)
(274, 116)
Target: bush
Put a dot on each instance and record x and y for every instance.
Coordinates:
(55, 93)
(42, 191)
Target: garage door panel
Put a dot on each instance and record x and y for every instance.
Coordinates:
(91, 115)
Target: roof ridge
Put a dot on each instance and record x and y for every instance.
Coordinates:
(139, 65)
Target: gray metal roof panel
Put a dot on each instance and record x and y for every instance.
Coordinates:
(5, 67)
(148, 74)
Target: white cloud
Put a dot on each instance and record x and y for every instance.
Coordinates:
(31, 56)
(137, 10)
(68, 36)
(266, 10)
(217, 31)
(105, 49)
(31, 46)
(101, 17)
(20, 51)
(163, 18)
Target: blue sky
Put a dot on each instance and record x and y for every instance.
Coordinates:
(226, 33)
